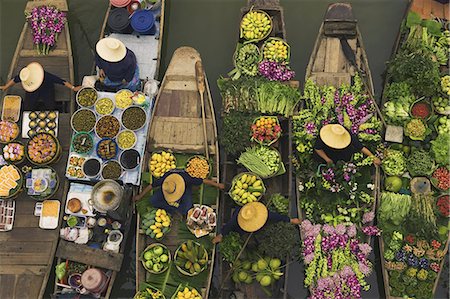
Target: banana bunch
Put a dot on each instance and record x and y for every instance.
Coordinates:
(191, 257)
(149, 294)
(275, 50)
(255, 25)
(160, 163)
(246, 188)
(156, 223)
(247, 60)
(188, 294)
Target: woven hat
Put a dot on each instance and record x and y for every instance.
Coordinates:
(335, 136)
(32, 76)
(111, 49)
(173, 187)
(252, 216)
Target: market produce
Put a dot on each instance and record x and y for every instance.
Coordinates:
(188, 293)
(422, 212)
(396, 112)
(201, 220)
(91, 167)
(441, 105)
(156, 258)
(82, 143)
(191, 258)
(394, 207)
(11, 178)
(276, 50)
(278, 239)
(8, 131)
(246, 61)
(266, 130)
(126, 139)
(255, 25)
(107, 149)
(148, 293)
(74, 169)
(443, 204)
(420, 163)
(246, 187)
(232, 138)
(393, 183)
(130, 159)
(160, 163)
(266, 270)
(445, 84)
(441, 177)
(280, 203)
(394, 163)
(124, 99)
(262, 160)
(198, 167)
(416, 129)
(156, 223)
(133, 118)
(421, 110)
(42, 148)
(111, 170)
(86, 97)
(440, 147)
(83, 120)
(76, 161)
(230, 246)
(138, 98)
(13, 152)
(443, 125)
(275, 71)
(107, 126)
(104, 106)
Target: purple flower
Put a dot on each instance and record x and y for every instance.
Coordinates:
(413, 261)
(400, 256)
(275, 71)
(371, 231)
(347, 271)
(368, 217)
(364, 268)
(365, 248)
(424, 263)
(340, 229)
(351, 231)
(328, 229)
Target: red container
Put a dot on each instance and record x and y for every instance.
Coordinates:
(94, 280)
(120, 3)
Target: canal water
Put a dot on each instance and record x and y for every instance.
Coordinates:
(211, 26)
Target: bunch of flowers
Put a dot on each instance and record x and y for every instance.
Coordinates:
(46, 23)
(275, 71)
(333, 256)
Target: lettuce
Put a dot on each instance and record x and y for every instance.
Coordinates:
(440, 148)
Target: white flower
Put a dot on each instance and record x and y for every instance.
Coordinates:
(371, 186)
(352, 196)
(301, 187)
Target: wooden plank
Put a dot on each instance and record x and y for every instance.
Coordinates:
(332, 54)
(90, 256)
(437, 9)
(8, 285)
(28, 235)
(25, 207)
(23, 269)
(319, 61)
(32, 53)
(447, 11)
(194, 149)
(60, 4)
(426, 11)
(28, 286)
(19, 247)
(31, 258)
(31, 221)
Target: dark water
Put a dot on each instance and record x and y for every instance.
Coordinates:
(211, 26)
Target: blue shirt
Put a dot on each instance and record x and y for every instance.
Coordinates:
(47, 84)
(185, 202)
(233, 226)
(121, 70)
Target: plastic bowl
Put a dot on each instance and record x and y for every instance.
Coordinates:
(118, 137)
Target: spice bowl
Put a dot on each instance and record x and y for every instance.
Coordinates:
(124, 139)
(111, 170)
(92, 167)
(133, 118)
(80, 116)
(86, 97)
(130, 159)
(107, 126)
(104, 106)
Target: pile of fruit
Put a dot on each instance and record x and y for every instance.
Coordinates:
(188, 293)
(198, 167)
(266, 271)
(416, 129)
(445, 84)
(246, 187)
(156, 258)
(42, 148)
(13, 152)
(443, 125)
(124, 99)
(276, 49)
(255, 25)
(246, 61)
(191, 258)
(8, 131)
(441, 178)
(441, 105)
(156, 223)
(266, 130)
(160, 163)
(149, 293)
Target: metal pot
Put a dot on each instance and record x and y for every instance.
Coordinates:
(106, 196)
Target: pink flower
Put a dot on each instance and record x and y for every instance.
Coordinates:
(351, 231)
(435, 267)
(309, 258)
(340, 229)
(365, 248)
(371, 231)
(366, 270)
(368, 217)
(328, 229)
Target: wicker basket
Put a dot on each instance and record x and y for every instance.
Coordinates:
(287, 59)
(274, 140)
(141, 258)
(265, 35)
(234, 182)
(184, 272)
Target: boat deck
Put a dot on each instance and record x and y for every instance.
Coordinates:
(431, 9)
(27, 251)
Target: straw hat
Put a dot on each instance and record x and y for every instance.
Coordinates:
(173, 187)
(32, 76)
(111, 49)
(335, 136)
(252, 216)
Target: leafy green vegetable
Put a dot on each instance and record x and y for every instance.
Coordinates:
(394, 207)
(230, 246)
(413, 19)
(235, 135)
(278, 240)
(262, 160)
(421, 212)
(279, 203)
(440, 148)
(420, 163)
(394, 162)
(60, 270)
(416, 129)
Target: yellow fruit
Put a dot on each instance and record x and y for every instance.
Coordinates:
(257, 183)
(152, 168)
(243, 178)
(159, 235)
(158, 212)
(157, 230)
(186, 290)
(153, 162)
(166, 224)
(153, 227)
(163, 212)
(158, 224)
(157, 219)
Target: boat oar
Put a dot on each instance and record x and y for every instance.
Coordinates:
(201, 90)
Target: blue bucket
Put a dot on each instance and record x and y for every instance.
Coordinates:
(143, 22)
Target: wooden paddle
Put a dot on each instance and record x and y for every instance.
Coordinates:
(201, 90)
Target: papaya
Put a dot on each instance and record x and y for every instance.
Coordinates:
(152, 235)
(202, 262)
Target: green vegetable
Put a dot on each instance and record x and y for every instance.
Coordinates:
(230, 246)
(440, 147)
(279, 204)
(278, 240)
(416, 129)
(394, 162)
(421, 212)
(262, 160)
(60, 270)
(233, 138)
(420, 163)
(394, 207)
(246, 60)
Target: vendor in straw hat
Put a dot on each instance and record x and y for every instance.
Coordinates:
(336, 143)
(39, 86)
(175, 192)
(251, 218)
(117, 65)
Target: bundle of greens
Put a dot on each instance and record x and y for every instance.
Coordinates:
(441, 149)
(394, 207)
(261, 160)
(246, 60)
(230, 246)
(279, 203)
(278, 240)
(394, 163)
(420, 163)
(233, 138)
(422, 212)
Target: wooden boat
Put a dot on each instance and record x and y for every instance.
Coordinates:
(281, 184)
(432, 10)
(328, 65)
(177, 125)
(59, 61)
(111, 262)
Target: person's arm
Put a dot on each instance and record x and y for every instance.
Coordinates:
(8, 85)
(229, 227)
(72, 87)
(324, 156)
(368, 153)
(214, 184)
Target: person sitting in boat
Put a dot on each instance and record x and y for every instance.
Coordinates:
(39, 86)
(335, 143)
(117, 65)
(250, 219)
(175, 194)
